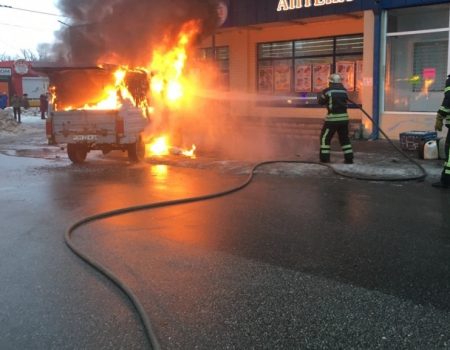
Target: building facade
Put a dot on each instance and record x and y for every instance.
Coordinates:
(393, 57)
(18, 77)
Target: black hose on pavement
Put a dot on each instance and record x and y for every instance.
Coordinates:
(404, 154)
(150, 334)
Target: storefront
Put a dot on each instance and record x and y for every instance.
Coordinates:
(280, 54)
(18, 77)
(414, 63)
(5, 79)
(392, 55)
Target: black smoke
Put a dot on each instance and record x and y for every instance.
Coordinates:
(125, 31)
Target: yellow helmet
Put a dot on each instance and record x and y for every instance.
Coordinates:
(335, 78)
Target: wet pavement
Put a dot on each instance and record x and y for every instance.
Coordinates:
(300, 259)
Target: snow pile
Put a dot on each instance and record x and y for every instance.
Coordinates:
(7, 122)
(31, 122)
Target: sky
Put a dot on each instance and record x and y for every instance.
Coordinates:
(25, 30)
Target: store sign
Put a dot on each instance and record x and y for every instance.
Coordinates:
(222, 11)
(286, 5)
(21, 67)
(5, 72)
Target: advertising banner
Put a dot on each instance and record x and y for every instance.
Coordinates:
(359, 75)
(303, 82)
(282, 76)
(223, 10)
(346, 69)
(265, 79)
(321, 72)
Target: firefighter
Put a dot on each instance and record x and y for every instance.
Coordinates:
(334, 97)
(443, 116)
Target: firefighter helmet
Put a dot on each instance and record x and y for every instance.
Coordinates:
(335, 78)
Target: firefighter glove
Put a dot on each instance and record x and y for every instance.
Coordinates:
(439, 123)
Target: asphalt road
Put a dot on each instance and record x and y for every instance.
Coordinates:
(300, 259)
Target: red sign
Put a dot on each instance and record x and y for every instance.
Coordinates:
(429, 73)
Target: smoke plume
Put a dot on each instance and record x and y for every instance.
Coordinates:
(125, 31)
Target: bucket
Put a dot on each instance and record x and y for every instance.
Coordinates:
(430, 150)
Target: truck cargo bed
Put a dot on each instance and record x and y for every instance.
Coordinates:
(85, 126)
(98, 126)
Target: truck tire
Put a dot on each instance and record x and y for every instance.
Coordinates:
(136, 151)
(77, 153)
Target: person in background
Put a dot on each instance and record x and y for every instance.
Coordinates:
(335, 97)
(25, 102)
(16, 103)
(443, 117)
(43, 105)
(3, 100)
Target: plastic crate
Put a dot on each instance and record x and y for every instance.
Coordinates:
(410, 140)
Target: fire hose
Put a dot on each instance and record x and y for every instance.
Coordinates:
(148, 329)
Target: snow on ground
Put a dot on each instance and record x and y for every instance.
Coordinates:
(31, 122)
(376, 160)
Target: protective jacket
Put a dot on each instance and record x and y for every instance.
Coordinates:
(335, 99)
(444, 110)
(443, 114)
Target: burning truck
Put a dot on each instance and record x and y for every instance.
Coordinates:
(109, 111)
(114, 107)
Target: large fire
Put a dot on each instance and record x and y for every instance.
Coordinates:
(170, 84)
(169, 90)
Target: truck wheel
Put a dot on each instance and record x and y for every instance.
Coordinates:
(136, 151)
(77, 153)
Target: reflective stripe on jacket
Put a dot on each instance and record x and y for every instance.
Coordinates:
(335, 99)
(444, 109)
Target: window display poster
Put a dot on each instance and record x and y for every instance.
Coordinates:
(359, 75)
(265, 79)
(429, 74)
(303, 80)
(346, 69)
(282, 76)
(321, 72)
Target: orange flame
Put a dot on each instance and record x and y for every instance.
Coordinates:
(160, 146)
(171, 87)
(113, 96)
(169, 82)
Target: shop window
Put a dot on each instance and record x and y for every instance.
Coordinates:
(314, 47)
(221, 57)
(301, 68)
(416, 70)
(275, 50)
(418, 18)
(427, 65)
(350, 44)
